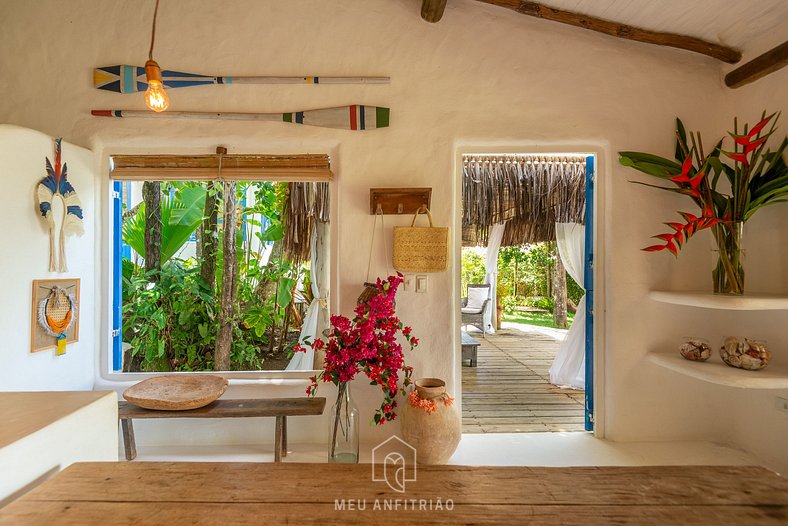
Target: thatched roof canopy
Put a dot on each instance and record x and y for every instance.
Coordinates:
(530, 193)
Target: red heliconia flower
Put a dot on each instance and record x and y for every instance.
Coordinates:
(739, 157)
(695, 181)
(746, 141)
(758, 127)
(683, 177)
(683, 231)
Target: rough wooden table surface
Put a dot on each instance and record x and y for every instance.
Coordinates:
(255, 493)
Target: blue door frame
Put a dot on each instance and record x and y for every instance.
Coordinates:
(588, 284)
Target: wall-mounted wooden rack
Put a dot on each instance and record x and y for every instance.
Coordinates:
(398, 200)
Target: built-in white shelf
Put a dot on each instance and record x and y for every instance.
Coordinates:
(721, 301)
(715, 371)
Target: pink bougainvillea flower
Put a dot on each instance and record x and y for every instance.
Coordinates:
(369, 343)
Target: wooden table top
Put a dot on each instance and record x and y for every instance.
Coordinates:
(24, 413)
(175, 493)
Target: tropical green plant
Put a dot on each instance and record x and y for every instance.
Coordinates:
(170, 323)
(525, 269)
(757, 178)
(170, 315)
(181, 214)
(472, 268)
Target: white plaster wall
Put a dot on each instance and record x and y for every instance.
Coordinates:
(482, 78)
(756, 424)
(24, 256)
(89, 434)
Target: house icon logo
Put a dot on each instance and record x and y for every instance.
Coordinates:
(394, 462)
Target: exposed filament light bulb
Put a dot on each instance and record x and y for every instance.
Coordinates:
(155, 97)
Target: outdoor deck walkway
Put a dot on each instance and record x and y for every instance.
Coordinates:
(509, 391)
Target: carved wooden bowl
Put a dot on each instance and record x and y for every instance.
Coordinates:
(176, 392)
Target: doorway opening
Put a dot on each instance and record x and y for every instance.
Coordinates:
(527, 287)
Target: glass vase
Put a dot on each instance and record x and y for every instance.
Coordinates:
(343, 428)
(728, 274)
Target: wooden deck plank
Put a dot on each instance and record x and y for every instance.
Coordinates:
(509, 389)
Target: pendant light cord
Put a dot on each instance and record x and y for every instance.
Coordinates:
(153, 31)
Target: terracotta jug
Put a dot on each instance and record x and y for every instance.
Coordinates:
(432, 425)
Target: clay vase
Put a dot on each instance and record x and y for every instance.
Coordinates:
(435, 434)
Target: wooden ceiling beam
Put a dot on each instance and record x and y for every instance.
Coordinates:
(432, 10)
(615, 29)
(758, 67)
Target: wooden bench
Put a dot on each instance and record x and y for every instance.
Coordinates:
(469, 348)
(280, 408)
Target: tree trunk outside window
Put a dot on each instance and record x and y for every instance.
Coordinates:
(151, 194)
(559, 291)
(209, 235)
(224, 339)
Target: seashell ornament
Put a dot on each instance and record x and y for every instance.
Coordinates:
(695, 349)
(748, 354)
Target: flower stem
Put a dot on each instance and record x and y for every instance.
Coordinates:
(340, 398)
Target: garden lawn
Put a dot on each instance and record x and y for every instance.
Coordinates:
(538, 318)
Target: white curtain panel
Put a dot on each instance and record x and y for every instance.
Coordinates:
(569, 366)
(491, 273)
(316, 319)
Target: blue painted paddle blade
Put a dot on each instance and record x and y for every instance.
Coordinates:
(132, 79)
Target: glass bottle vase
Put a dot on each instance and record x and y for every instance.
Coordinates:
(728, 274)
(343, 428)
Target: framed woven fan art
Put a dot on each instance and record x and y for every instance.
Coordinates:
(55, 318)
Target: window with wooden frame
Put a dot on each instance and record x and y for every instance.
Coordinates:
(179, 303)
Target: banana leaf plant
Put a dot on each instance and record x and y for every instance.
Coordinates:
(181, 214)
(757, 177)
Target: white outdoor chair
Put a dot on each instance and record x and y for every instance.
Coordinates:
(474, 305)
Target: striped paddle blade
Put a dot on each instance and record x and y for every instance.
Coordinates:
(131, 79)
(355, 117)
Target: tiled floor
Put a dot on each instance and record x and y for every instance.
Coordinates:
(509, 389)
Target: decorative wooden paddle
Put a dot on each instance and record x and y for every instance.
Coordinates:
(355, 117)
(131, 79)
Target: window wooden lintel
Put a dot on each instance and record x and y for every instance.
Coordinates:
(246, 167)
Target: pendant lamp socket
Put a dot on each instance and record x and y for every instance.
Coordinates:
(155, 97)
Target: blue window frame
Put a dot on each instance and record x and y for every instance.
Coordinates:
(117, 268)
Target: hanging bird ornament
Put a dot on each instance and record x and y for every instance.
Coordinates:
(54, 185)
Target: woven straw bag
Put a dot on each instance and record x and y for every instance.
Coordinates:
(421, 249)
